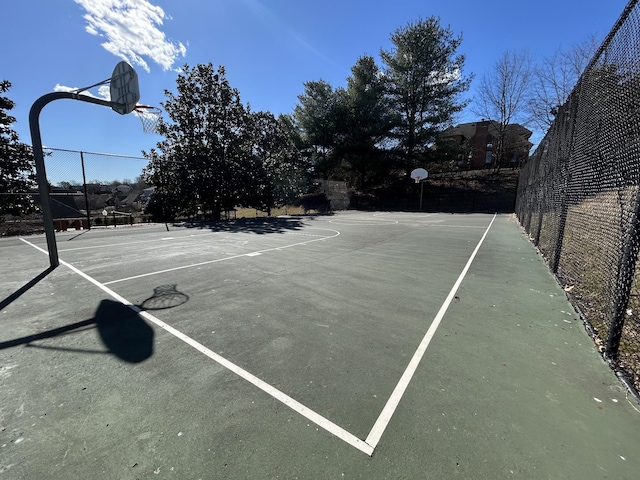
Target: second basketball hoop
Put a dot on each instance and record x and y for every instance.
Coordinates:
(419, 174)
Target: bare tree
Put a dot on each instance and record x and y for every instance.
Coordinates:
(555, 78)
(502, 96)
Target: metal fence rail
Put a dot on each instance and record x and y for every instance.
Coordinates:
(579, 197)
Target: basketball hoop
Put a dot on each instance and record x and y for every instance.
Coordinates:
(419, 174)
(149, 116)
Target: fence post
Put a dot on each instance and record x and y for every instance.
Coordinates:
(86, 194)
(569, 116)
(624, 282)
(562, 223)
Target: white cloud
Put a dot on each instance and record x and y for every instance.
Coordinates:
(130, 28)
(103, 91)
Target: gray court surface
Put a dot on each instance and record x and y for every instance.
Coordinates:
(356, 345)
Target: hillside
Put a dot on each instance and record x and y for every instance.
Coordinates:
(472, 191)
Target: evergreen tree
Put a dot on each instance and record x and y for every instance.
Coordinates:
(201, 165)
(364, 120)
(17, 174)
(315, 115)
(277, 173)
(425, 83)
(217, 154)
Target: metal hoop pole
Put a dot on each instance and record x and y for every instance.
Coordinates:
(41, 173)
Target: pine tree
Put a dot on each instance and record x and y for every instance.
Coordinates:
(424, 72)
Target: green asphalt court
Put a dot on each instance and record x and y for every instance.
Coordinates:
(371, 345)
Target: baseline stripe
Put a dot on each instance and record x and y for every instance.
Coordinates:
(389, 409)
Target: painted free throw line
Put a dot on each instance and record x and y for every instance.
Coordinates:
(233, 257)
(367, 446)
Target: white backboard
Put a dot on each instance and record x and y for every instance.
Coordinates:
(125, 92)
(419, 174)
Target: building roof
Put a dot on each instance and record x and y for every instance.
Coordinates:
(63, 206)
(468, 130)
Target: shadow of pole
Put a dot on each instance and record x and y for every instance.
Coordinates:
(77, 235)
(25, 288)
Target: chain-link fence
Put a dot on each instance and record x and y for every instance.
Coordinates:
(579, 196)
(95, 188)
(86, 189)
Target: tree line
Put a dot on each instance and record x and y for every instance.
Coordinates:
(218, 154)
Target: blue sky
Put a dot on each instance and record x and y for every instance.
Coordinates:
(269, 48)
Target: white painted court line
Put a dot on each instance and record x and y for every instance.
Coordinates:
(370, 443)
(442, 225)
(163, 240)
(389, 409)
(364, 222)
(296, 406)
(209, 262)
(411, 215)
(121, 244)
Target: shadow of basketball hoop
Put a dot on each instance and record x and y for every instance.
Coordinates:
(122, 331)
(164, 296)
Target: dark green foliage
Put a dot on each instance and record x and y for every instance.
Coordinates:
(17, 174)
(364, 120)
(447, 154)
(277, 173)
(315, 201)
(425, 83)
(217, 154)
(316, 119)
(385, 122)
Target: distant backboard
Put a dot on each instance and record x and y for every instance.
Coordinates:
(419, 174)
(125, 92)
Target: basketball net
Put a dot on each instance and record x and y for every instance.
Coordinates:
(149, 117)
